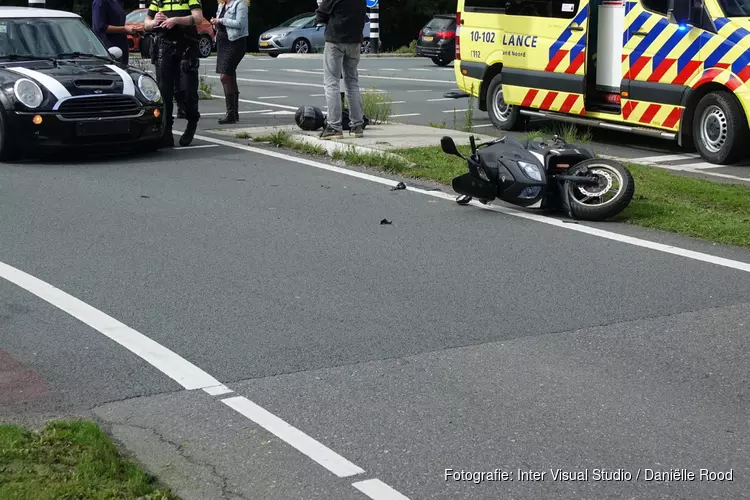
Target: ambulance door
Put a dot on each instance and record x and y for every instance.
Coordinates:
(544, 51)
(659, 58)
(478, 30)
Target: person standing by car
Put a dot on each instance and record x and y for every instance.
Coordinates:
(345, 21)
(231, 24)
(108, 22)
(177, 45)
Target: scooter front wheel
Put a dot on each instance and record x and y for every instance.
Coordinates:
(605, 200)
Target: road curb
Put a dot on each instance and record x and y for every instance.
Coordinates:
(335, 146)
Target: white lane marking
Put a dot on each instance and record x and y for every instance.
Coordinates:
(317, 95)
(441, 99)
(200, 146)
(405, 114)
(378, 490)
(171, 364)
(704, 166)
(580, 228)
(455, 110)
(279, 113)
(424, 90)
(275, 97)
(483, 125)
(405, 79)
(257, 70)
(54, 86)
(294, 437)
(681, 168)
(272, 82)
(128, 86)
(419, 69)
(240, 112)
(260, 103)
(219, 390)
(663, 158)
(392, 102)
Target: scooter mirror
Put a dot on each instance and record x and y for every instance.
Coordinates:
(449, 146)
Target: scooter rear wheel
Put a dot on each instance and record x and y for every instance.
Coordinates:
(613, 194)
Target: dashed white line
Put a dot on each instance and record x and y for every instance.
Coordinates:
(455, 110)
(405, 79)
(441, 99)
(169, 363)
(260, 103)
(317, 95)
(392, 102)
(580, 228)
(421, 90)
(405, 114)
(294, 437)
(275, 97)
(273, 82)
(483, 125)
(240, 112)
(378, 490)
(200, 146)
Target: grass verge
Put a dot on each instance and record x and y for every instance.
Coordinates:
(70, 459)
(699, 208)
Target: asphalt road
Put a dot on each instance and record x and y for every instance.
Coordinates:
(272, 89)
(454, 338)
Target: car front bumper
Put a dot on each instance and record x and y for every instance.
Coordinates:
(54, 131)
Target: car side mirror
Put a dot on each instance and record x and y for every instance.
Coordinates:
(115, 52)
(679, 11)
(449, 147)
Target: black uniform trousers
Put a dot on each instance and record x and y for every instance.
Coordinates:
(178, 63)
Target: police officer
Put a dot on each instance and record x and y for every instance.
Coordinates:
(177, 58)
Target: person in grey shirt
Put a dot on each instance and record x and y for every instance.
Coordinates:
(345, 22)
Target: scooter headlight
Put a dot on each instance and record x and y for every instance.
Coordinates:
(531, 171)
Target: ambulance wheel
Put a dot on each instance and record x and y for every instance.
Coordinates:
(720, 130)
(502, 115)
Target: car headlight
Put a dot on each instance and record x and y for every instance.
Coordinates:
(149, 88)
(532, 171)
(284, 34)
(28, 93)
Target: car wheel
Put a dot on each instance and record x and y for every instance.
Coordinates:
(366, 47)
(502, 115)
(440, 61)
(205, 46)
(301, 46)
(273, 54)
(720, 129)
(8, 149)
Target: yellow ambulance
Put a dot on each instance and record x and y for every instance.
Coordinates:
(674, 69)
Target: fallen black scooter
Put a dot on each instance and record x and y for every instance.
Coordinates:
(561, 177)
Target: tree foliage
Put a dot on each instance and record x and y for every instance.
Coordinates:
(400, 20)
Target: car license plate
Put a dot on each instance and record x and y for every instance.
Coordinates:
(427, 38)
(264, 44)
(103, 127)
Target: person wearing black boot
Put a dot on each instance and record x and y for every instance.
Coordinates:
(175, 22)
(231, 25)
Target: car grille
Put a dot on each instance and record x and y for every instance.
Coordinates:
(103, 106)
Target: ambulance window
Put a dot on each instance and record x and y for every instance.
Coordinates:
(484, 5)
(659, 6)
(563, 9)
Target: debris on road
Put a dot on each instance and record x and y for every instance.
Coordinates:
(385, 221)
(399, 186)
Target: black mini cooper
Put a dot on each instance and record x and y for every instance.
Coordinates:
(61, 87)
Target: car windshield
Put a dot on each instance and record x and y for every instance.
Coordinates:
(297, 21)
(735, 8)
(47, 37)
(136, 17)
(440, 23)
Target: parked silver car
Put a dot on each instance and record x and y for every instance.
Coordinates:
(300, 35)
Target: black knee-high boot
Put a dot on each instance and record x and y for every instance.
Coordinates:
(229, 98)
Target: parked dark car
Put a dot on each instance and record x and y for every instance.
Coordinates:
(437, 40)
